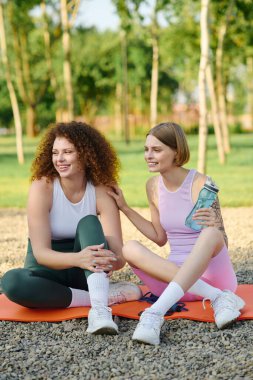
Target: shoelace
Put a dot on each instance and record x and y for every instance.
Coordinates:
(219, 303)
(103, 311)
(203, 302)
(151, 320)
(152, 298)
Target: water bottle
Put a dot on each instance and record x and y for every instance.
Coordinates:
(207, 196)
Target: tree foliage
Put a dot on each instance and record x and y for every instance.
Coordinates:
(96, 58)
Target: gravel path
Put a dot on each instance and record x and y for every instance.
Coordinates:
(189, 350)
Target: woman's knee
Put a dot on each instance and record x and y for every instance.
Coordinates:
(131, 249)
(213, 235)
(16, 284)
(89, 232)
(88, 220)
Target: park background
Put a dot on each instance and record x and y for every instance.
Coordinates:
(185, 61)
(124, 66)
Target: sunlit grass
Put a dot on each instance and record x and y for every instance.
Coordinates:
(235, 178)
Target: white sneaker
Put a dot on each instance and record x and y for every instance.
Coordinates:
(100, 321)
(120, 292)
(226, 308)
(149, 327)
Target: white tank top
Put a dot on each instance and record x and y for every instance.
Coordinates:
(65, 215)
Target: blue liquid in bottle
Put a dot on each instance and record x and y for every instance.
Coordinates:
(206, 197)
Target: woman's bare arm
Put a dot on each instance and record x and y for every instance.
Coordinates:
(151, 229)
(110, 220)
(218, 220)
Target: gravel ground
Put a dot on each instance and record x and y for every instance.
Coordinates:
(188, 350)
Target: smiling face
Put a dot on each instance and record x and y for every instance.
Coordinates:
(65, 158)
(159, 157)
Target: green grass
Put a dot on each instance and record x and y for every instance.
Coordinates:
(235, 178)
(14, 178)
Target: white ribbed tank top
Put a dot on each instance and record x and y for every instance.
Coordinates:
(65, 215)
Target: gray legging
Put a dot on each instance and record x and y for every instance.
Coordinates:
(36, 286)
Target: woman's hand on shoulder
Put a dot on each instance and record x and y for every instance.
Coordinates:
(117, 194)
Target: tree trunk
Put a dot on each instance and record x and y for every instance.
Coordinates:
(117, 110)
(250, 92)
(215, 114)
(31, 118)
(17, 61)
(66, 63)
(125, 86)
(13, 98)
(23, 72)
(220, 90)
(203, 129)
(58, 93)
(154, 80)
(138, 96)
(30, 92)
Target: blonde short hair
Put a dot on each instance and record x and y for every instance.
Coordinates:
(172, 135)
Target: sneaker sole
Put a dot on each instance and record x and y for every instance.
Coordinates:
(240, 305)
(229, 323)
(142, 339)
(145, 342)
(103, 331)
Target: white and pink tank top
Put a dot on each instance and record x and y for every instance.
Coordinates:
(174, 208)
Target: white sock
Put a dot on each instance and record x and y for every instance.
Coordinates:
(98, 284)
(203, 289)
(168, 298)
(79, 298)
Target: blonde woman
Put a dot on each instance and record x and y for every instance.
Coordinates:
(198, 266)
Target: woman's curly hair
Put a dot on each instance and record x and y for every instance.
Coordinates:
(98, 157)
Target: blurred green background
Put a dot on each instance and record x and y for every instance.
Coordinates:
(235, 178)
(125, 78)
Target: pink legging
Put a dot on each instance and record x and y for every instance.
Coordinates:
(219, 273)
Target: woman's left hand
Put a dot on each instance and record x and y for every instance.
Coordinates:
(205, 217)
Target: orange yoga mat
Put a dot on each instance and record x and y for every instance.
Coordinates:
(9, 311)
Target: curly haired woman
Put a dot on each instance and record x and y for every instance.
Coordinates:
(70, 251)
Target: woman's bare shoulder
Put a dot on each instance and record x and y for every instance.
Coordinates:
(41, 188)
(152, 182)
(152, 189)
(40, 197)
(101, 191)
(199, 180)
(43, 183)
